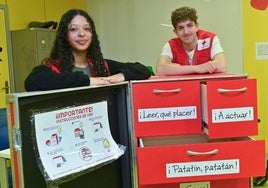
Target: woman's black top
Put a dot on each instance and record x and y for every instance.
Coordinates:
(43, 78)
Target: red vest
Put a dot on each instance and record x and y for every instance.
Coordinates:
(54, 65)
(202, 50)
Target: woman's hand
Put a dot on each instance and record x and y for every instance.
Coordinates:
(107, 80)
(94, 81)
(119, 77)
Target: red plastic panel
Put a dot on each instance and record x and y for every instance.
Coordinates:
(230, 107)
(166, 108)
(218, 160)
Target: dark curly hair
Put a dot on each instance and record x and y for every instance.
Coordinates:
(63, 51)
(182, 14)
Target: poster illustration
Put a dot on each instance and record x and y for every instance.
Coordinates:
(74, 139)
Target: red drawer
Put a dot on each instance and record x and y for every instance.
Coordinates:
(229, 108)
(166, 108)
(228, 183)
(170, 160)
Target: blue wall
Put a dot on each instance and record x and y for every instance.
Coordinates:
(4, 144)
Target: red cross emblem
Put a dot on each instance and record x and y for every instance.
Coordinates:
(259, 4)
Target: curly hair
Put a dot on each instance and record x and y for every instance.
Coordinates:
(62, 49)
(182, 14)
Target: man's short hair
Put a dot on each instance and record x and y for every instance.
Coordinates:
(182, 14)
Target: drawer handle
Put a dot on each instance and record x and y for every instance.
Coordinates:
(166, 91)
(232, 90)
(213, 152)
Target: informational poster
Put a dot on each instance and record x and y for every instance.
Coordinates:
(74, 139)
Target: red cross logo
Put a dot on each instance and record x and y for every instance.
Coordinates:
(259, 4)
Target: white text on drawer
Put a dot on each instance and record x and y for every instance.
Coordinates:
(232, 114)
(202, 168)
(165, 114)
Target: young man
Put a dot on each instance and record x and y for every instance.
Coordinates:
(193, 51)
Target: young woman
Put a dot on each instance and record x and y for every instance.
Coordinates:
(76, 59)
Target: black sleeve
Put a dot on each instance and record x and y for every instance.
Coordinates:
(42, 78)
(131, 70)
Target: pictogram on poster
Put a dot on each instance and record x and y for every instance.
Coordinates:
(74, 139)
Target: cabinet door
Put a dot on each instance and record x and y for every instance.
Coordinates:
(229, 108)
(44, 43)
(226, 183)
(166, 108)
(30, 47)
(214, 160)
(4, 69)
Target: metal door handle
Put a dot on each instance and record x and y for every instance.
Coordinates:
(166, 91)
(6, 88)
(232, 90)
(212, 152)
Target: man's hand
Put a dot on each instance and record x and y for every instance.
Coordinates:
(208, 67)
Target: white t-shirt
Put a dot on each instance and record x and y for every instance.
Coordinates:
(216, 48)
